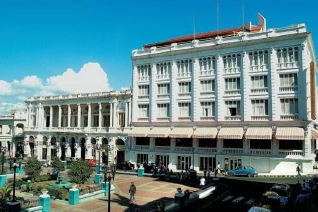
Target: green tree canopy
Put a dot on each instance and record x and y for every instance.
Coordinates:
(79, 172)
(57, 165)
(33, 167)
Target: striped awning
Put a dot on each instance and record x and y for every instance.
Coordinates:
(205, 132)
(290, 133)
(314, 134)
(138, 132)
(181, 132)
(231, 133)
(259, 133)
(159, 132)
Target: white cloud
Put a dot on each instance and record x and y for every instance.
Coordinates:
(91, 78)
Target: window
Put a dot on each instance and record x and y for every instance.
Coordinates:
(142, 141)
(287, 57)
(184, 109)
(287, 80)
(144, 72)
(143, 111)
(163, 110)
(162, 141)
(121, 119)
(207, 142)
(232, 63)
(163, 70)
(260, 144)
(207, 65)
(232, 84)
(163, 89)
(143, 91)
(259, 81)
(258, 60)
(184, 87)
(207, 163)
(142, 158)
(233, 143)
(289, 106)
(233, 108)
(184, 68)
(207, 109)
(260, 107)
(207, 86)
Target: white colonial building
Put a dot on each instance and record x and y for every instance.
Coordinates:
(244, 95)
(87, 126)
(11, 132)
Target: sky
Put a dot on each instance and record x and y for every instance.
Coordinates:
(55, 47)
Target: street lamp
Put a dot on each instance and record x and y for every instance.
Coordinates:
(107, 178)
(3, 149)
(13, 205)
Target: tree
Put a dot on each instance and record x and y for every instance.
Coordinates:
(33, 168)
(57, 165)
(79, 172)
(5, 193)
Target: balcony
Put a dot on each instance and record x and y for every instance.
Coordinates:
(206, 73)
(233, 151)
(291, 153)
(232, 70)
(288, 89)
(261, 152)
(232, 92)
(260, 118)
(287, 65)
(259, 68)
(289, 117)
(142, 148)
(162, 148)
(184, 149)
(143, 79)
(259, 90)
(232, 118)
(163, 77)
(207, 150)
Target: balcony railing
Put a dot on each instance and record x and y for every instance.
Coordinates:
(260, 152)
(184, 149)
(142, 147)
(288, 89)
(162, 148)
(259, 90)
(233, 118)
(287, 65)
(260, 118)
(259, 68)
(291, 153)
(232, 92)
(289, 117)
(207, 72)
(206, 150)
(234, 151)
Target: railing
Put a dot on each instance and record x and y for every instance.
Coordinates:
(184, 149)
(207, 73)
(164, 76)
(140, 79)
(232, 70)
(162, 96)
(291, 152)
(184, 94)
(186, 74)
(232, 118)
(232, 92)
(162, 148)
(287, 65)
(140, 147)
(143, 97)
(259, 68)
(233, 151)
(204, 118)
(259, 90)
(260, 118)
(288, 88)
(289, 117)
(206, 150)
(260, 152)
(206, 93)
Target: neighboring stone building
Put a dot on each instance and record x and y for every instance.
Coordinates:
(241, 96)
(11, 132)
(78, 126)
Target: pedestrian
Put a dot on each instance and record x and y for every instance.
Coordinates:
(209, 176)
(202, 182)
(298, 171)
(132, 192)
(219, 168)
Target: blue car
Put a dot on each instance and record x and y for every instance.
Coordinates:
(242, 171)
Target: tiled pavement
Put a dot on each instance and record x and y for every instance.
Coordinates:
(149, 192)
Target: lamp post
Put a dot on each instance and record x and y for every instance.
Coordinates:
(3, 149)
(107, 178)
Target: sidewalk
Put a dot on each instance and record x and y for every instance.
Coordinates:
(150, 191)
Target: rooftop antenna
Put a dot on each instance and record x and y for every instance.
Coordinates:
(193, 26)
(217, 18)
(243, 17)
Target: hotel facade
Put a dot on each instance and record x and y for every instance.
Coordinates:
(242, 96)
(86, 126)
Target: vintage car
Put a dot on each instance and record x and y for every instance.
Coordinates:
(242, 171)
(91, 162)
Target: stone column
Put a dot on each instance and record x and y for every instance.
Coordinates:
(51, 116)
(89, 114)
(60, 116)
(100, 115)
(79, 115)
(111, 115)
(68, 115)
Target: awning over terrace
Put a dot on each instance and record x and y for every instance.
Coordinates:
(205, 132)
(314, 134)
(139, 132)
(159, 132)
(231, 133)
(181, 132)
(290, 133)
(259, 133)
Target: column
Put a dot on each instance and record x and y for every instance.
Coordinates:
(115, 114)
(195, 113)
(111, 115)
(37, 116)
(130, 113)
(100, 115)
(89, 118)
(73, 195)
(60, 116)
(68, 115)
(79, 115)
(126, 114)
(153, 111)
(173, 92)
(51, 116)
(219, 90)
(246, 115)
(273, 88)
(45, 202)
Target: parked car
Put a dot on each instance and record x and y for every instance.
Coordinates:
(284, 193)
(242, 171)
(126, 165)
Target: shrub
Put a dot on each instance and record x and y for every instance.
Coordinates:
(57, 165)
(79, 172)
(42, 178)
(33, 168)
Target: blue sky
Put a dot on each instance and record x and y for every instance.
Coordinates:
(57, 46)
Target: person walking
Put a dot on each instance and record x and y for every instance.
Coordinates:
(132, 192)
(298, 171)
(202, 182)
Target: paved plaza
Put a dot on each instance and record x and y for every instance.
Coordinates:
(150, 191)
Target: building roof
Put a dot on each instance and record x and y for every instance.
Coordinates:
(206, 36)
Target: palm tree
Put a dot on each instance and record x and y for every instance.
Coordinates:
(5, 194)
